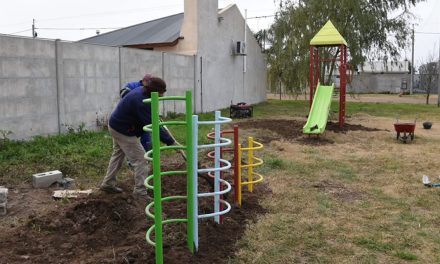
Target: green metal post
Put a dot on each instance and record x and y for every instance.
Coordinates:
(190, 192)
(157, 178)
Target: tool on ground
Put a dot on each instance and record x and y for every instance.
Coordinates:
(428, 183)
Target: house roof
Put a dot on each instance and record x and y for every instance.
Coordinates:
(328, 35)
(165, 30)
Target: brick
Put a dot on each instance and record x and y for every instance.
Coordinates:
(46, 179)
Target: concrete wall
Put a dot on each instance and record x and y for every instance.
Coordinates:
(28, 85)
(88, 82)
(48, 87)
(179, 71)
(379, 83)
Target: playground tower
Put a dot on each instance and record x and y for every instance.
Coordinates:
(329, 36)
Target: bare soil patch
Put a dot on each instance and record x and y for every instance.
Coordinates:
(339, 191)
(110, 228)
(291, 130)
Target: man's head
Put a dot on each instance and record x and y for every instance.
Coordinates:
(145, 79)
(155, 84)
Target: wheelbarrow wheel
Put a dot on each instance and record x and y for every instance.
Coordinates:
(405, 137)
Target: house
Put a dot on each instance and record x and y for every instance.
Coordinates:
(229, 64)
(381, 77)
(383, 67)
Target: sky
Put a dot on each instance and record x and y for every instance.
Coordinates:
(77, 19)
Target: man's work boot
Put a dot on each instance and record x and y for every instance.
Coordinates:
(110, 189)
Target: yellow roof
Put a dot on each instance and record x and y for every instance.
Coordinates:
(328, 35)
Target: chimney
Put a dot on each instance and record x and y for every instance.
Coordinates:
(199, 18)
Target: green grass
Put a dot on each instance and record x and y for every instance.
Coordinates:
(80, 154)
(274, 108)
(408, 111)
(295, 108)
(373, 244)
(83, 156)
(406, 255)
(273, 163)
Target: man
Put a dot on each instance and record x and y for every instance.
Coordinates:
(133, 85)
(125, 126)
(145, 136)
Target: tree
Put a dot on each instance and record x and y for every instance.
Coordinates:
(260, 36)
(428, 76)
(367, 25)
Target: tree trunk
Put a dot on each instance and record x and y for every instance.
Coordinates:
(332, 67)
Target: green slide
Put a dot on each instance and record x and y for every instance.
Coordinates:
(319, 111)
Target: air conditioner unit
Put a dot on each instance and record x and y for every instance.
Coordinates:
(240, 48)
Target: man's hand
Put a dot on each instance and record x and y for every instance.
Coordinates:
(124, 91)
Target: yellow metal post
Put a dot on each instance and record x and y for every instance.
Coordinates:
(250, 163)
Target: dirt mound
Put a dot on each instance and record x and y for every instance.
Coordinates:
(104, 228)
(292, 130)
(334, 126)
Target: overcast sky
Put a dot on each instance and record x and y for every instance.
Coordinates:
(72, 19)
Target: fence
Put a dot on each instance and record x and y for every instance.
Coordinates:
(49, 87)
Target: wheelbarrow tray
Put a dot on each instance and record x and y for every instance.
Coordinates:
(407, 129)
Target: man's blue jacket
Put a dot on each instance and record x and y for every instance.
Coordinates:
(131, 115)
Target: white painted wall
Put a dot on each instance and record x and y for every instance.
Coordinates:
(223, 79)
(220, 77)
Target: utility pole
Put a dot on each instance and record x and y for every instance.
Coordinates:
(412, 63)
(33, 29)
(244, 57)
(438, 76)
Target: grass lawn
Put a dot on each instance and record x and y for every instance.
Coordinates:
(357, 200)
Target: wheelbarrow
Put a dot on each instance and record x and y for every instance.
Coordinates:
(405, 131)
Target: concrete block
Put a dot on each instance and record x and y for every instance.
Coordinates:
(46, 179)
(3, 194)
(3, 209)
(3, 200)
